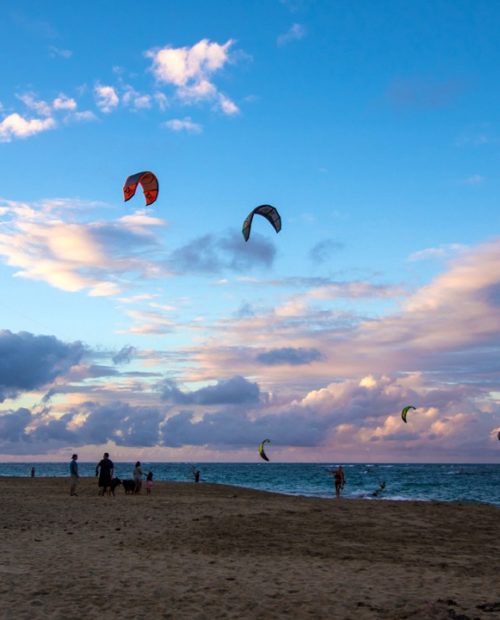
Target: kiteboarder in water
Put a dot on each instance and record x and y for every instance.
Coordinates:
(378, 491)
(339, 479)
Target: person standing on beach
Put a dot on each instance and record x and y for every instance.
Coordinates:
(104, 470)
(73, 471)
(32, 472)
(149, 482)
(137, 477)
(339, 479)
(196, 474)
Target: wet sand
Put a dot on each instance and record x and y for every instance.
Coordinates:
(211, 551)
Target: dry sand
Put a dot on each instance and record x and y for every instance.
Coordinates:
(211, 551)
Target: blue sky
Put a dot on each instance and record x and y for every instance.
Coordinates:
(158, 332)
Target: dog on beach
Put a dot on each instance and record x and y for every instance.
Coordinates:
(114, 483)
(129, 486)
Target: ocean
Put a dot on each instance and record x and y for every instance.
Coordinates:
(429, 482)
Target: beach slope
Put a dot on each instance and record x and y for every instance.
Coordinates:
(211, 551)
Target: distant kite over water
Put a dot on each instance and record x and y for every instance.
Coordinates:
(270, 213)
(149, 184)
(405, 411)
(261, 449)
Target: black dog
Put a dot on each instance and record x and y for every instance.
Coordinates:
(129, 486)
(114, 483)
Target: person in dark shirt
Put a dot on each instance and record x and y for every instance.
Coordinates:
(104, 470)
(73, 470)
(149, 482)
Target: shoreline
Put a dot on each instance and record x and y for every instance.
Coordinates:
(197, 551)
(363, 497)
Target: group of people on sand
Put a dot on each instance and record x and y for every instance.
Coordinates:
(104, 471)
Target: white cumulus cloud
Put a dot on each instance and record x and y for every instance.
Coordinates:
(106, 98)
(191, 70)
(64, 103)
(16, 126)
(294, 33)
(185, 124)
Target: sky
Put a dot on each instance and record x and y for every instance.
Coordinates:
(157, 333)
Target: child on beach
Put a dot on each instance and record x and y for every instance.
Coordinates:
(149, 482)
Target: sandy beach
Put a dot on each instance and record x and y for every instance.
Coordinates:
(212, 551)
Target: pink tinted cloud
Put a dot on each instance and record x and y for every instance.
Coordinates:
(50, 245)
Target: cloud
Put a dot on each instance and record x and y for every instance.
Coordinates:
(210, 254)
(93, 423)
(229, 429)
(296, 32)
(234, 391)
(124, 355)
(449, 330)
(13, 427)
(245, 310)
(56, 52)
(289, 355)
(137, 298)
(185, 124)
(135, 99)
(119, 422)
(64, 103)
(423, 94)
(28, 362)
(149, 322)
(477, 136)
(345, 416)
(190, 71)
(437, 350)
(474, 179)
(294, 5)
(23, 431)
(37, 105)
(161, 100)
(72, 255)
(442, 251)
(109, 97)
(227, 106)
(16, 126)
(323, 250)
(84, 116)
(37, 27)
(106, 98)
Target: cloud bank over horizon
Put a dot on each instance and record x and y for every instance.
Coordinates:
(353, 382)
